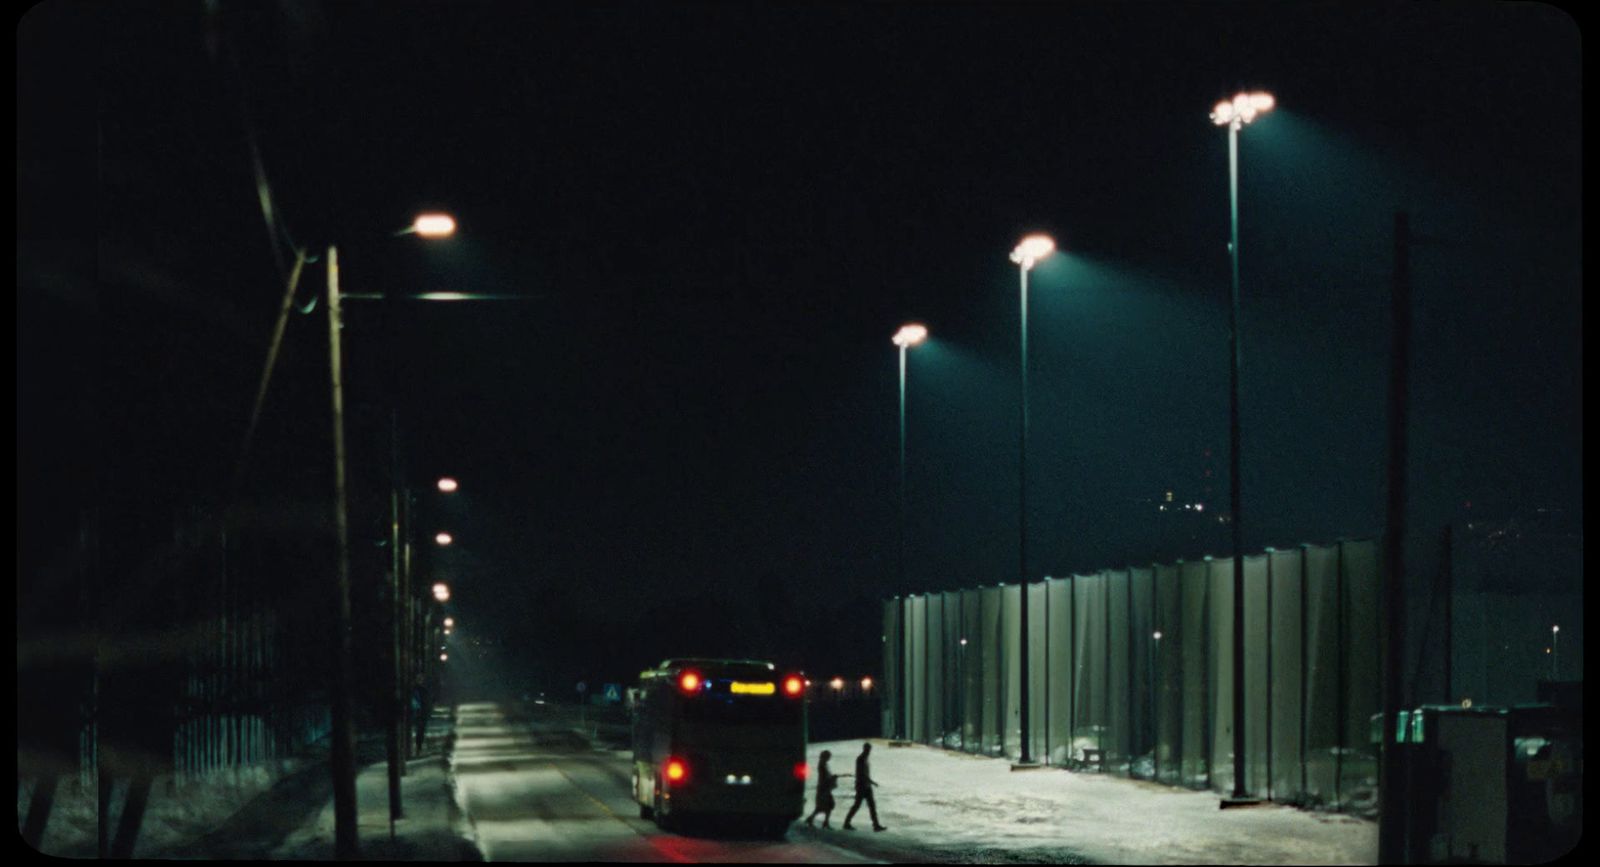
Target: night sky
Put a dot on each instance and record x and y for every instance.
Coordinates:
(682, 437)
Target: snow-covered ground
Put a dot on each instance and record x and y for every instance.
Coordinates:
(970, 808)
(177, 814)
(233, 814)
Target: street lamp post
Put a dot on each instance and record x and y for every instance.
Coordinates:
(347, 844)
(342, 754)
(907, 337)
(1555, 652)
(1234, 114)
(1027, 253)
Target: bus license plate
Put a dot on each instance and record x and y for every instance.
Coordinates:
(740, 687)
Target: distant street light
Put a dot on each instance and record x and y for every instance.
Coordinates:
(441, 592)
(837, 683)
(866, 684)
(448, 485)
(1028, 252)
(449, 623)
(1234, 115)
(907, 337)
(444, 538)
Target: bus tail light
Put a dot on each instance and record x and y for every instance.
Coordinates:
(677, 771)
(689, 681)
(801, 771)
(793, 686)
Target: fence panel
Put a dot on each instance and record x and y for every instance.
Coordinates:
(1257, 695)
(1142, 679)
(892, 649)
(950, 668)
(970, 661)
(1168, 650)
(1089, 688)
(1322, 710)
(1286, 680)
(916, 668)
(1058, 599)
(1038, 672)
(1011, 668)
(990, 687)
(932, 669)
(1196, 583)
(1219, 673)
(1118, 690)
(1363, 685)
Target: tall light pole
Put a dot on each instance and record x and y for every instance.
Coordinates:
(907, 337)
(1028, 252)
(347, 843)
(1234, 114)
(1555, 652)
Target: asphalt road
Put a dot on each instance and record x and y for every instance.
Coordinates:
(537, 787)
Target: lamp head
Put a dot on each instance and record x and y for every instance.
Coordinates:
(1242, 109)
(910, 335)
(434, 225)
(1032, 249)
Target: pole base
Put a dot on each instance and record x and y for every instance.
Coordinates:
(1026, 766)
(1230, 803)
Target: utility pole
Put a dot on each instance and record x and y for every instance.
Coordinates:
(396, 698)
(347, 844)
(1392, 801)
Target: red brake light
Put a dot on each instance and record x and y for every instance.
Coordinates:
(801, 771)
(793, 685)
(689, 682)
(677, 770)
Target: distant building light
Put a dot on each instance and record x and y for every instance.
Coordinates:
(1169, 496)
(866, 683)
(1199, 507)
(837, 683)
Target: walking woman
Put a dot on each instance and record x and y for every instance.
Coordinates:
(827, 781)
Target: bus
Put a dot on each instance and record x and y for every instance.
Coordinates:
(721, 738)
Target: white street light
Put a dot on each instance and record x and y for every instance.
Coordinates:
(908, 336)
(448, 485)
(1234, 114)
(441, 592)
(1029, 251)
(444, 538)
(434, 225)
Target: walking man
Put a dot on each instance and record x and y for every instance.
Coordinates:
(864, 784)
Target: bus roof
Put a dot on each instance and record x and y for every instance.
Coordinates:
(710, 666)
